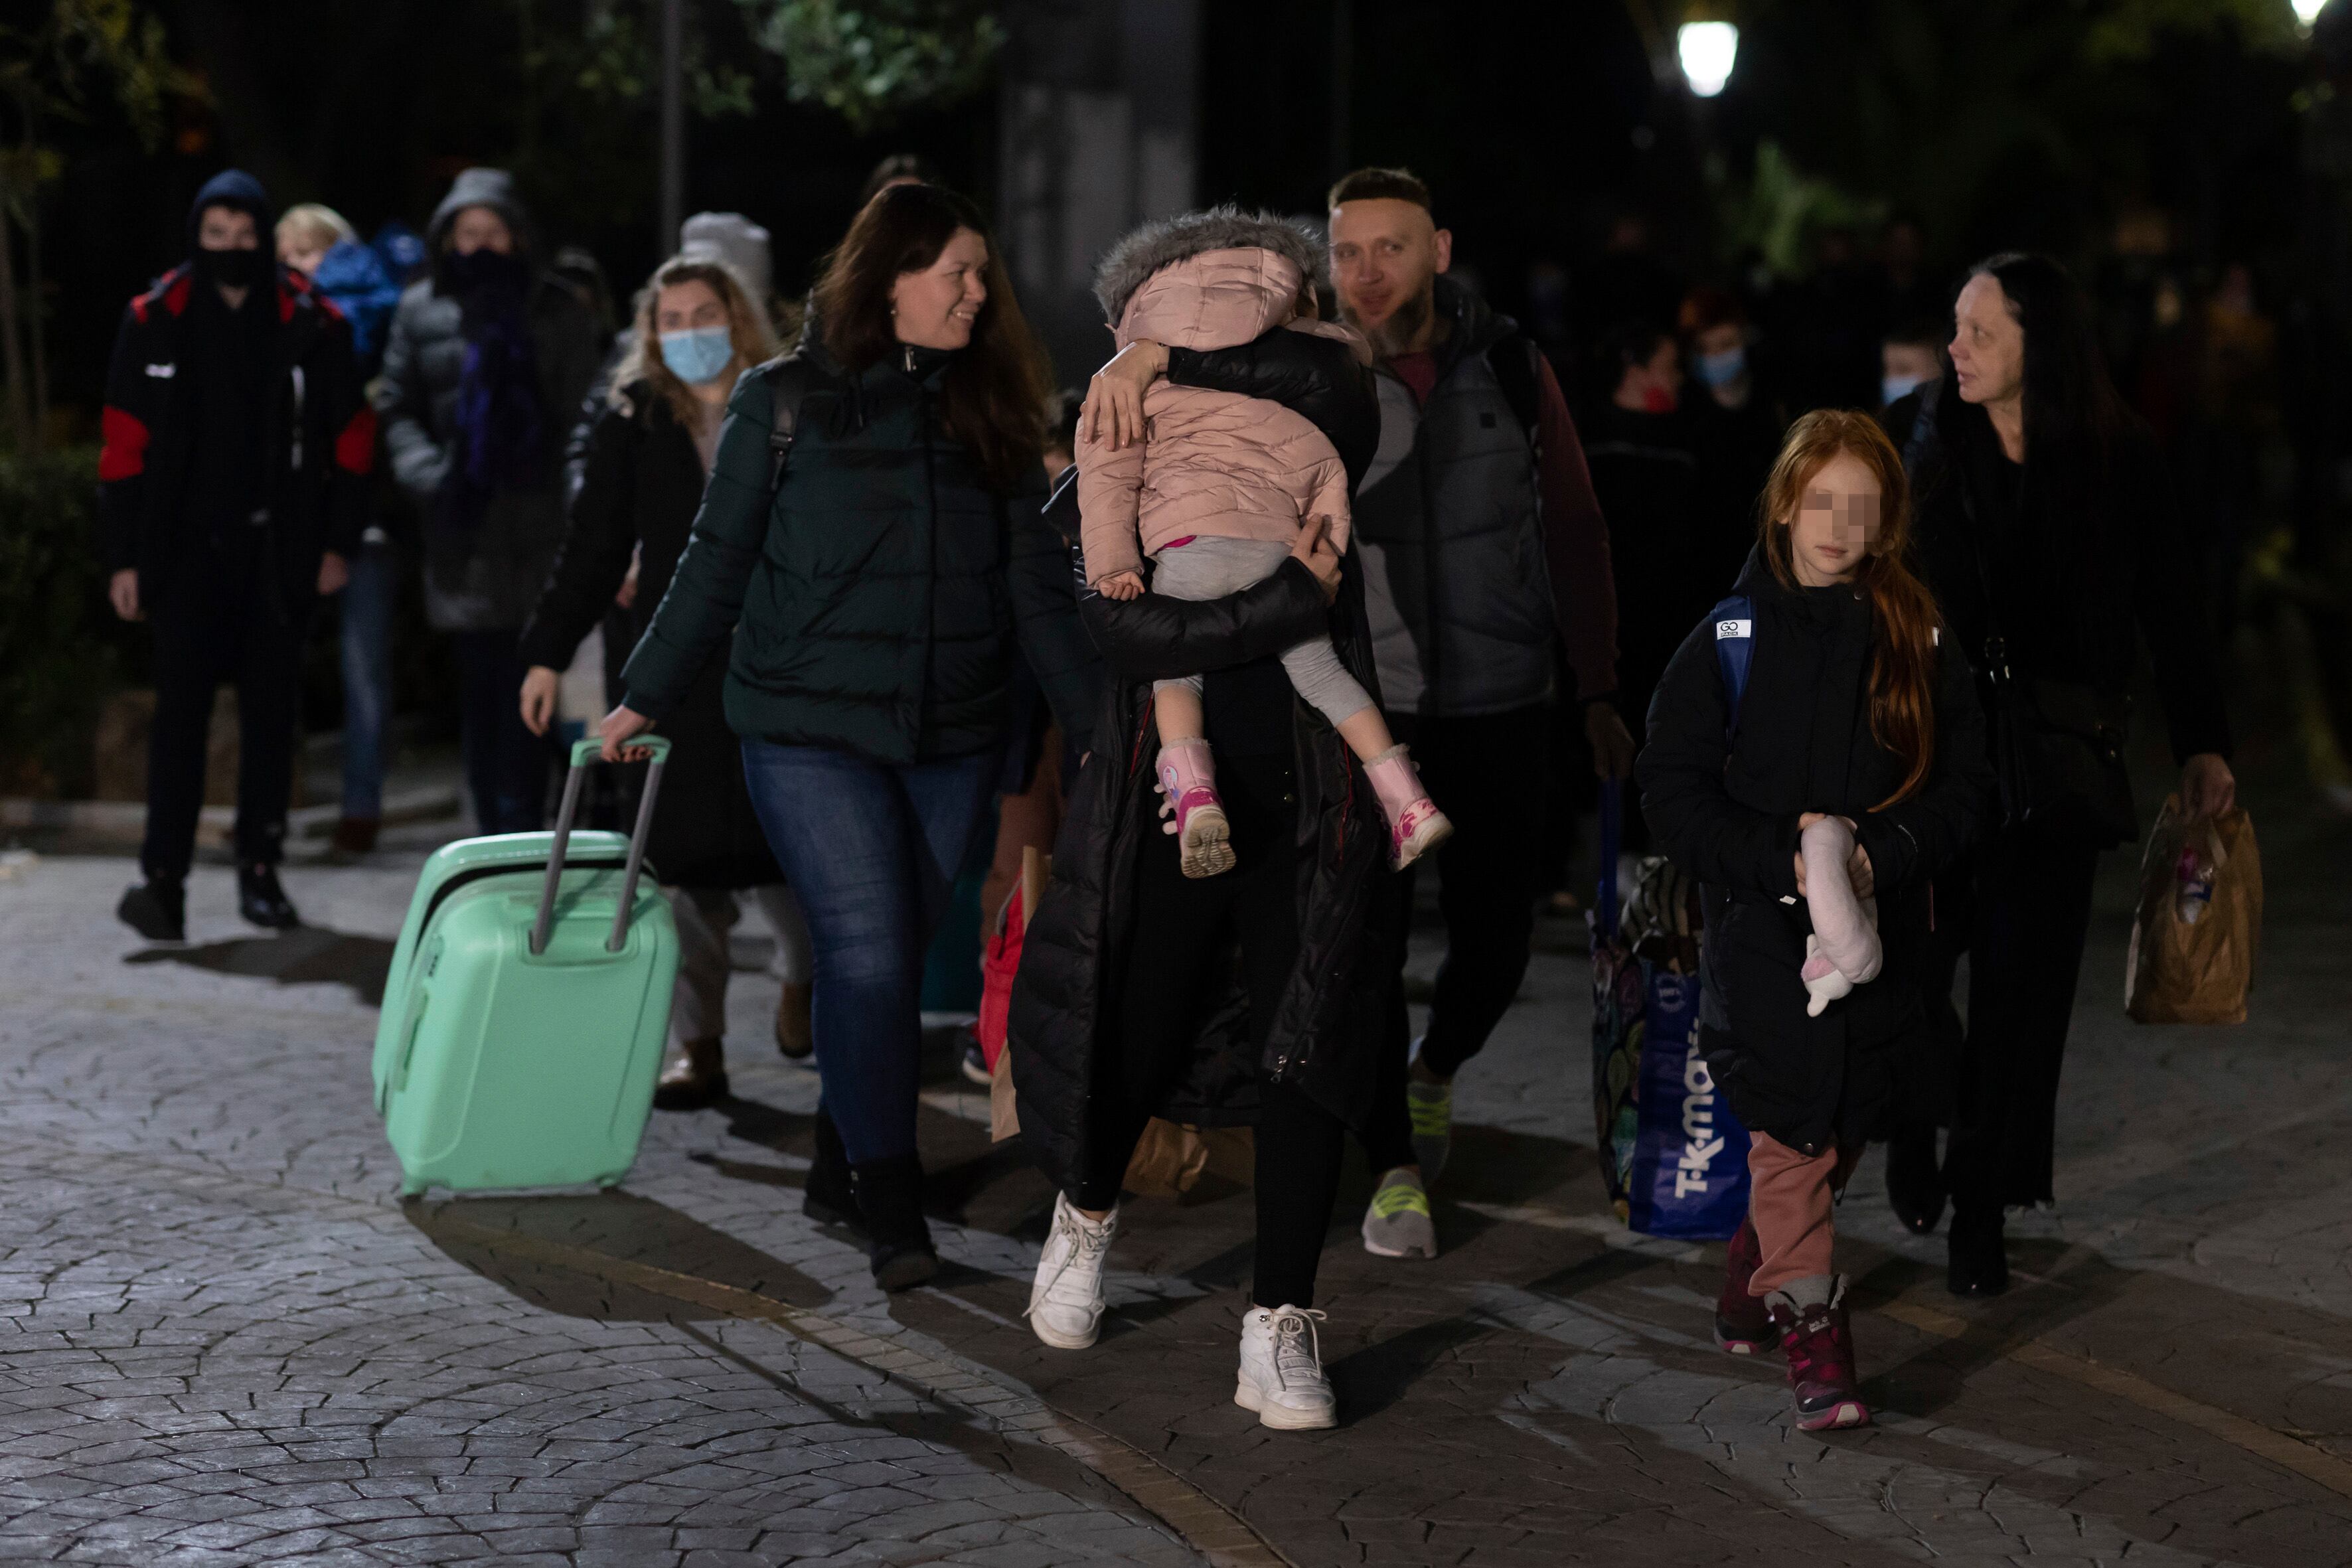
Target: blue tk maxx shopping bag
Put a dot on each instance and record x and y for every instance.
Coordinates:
(1672, 1152)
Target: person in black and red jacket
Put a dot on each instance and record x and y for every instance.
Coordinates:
(230, 492)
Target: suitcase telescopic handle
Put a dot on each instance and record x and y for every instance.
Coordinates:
(583, 753)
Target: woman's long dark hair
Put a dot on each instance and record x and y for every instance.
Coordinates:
(2073, 412)
(997, 387)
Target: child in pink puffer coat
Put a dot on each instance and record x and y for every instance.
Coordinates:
(1215, 495)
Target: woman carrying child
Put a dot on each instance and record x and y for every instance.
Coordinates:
(1219, 490)
(1147, 987)
(1851, 770)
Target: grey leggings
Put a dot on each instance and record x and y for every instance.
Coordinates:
(1210, 568)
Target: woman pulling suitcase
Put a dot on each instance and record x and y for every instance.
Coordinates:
(647, 450)
(872, 594)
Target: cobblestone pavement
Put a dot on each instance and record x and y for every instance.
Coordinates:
(223, 1340)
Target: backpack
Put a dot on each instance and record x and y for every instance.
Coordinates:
(1734, 650)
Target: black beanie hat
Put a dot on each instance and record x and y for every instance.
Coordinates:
(235, 188)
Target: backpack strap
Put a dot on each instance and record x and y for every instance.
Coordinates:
(788, 385)
(1735, 651)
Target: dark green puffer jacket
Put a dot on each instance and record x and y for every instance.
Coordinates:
(874, 606)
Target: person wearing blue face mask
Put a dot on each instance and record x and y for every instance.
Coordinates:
(1736, 427)
(643, 457)
(1909, 358)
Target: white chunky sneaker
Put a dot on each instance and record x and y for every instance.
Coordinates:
(1282, 1369)
(1066, 1302)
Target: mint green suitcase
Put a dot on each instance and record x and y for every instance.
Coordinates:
(528, 1005)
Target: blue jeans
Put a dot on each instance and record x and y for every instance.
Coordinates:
(872, 851)
(367, 676)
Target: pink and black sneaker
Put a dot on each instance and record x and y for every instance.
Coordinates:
(1818, 1339)
(1188, 778)
(1743, 1325)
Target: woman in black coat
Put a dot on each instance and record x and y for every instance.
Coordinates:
(646, 454)
(1247, 998)
(2048, 533)
(1855, 710)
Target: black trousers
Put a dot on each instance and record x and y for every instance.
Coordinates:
(2024, 934)
(1489, 773)
(223, 623)
(1184, 930)
(506, 764)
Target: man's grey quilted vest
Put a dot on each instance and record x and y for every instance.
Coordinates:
(1449, 525)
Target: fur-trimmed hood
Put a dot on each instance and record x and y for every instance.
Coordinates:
(1164, 241)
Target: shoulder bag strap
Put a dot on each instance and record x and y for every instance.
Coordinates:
(788, 378)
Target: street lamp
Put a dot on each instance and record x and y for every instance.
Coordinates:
(1707, 49)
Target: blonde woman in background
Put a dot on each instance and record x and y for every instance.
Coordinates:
(646, 453)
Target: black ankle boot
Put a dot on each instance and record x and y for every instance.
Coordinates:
(1915, 1186)
(156, 908)
(827, 1196)
(261, 900)
(1979, 1261)
(898, 1243)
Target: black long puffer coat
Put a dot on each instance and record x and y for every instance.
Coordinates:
(1726, 810)
(1329, 1021)
(640, 482)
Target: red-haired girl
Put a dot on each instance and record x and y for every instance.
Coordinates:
(1852, 768)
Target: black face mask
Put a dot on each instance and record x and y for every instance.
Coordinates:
(232, 269)
(483, 271)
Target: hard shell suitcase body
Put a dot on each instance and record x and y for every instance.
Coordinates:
(525, 1008)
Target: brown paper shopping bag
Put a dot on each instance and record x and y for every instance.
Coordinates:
(2192, 958)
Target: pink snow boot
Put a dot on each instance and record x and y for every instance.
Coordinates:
(1189, 779)
(1415, 825)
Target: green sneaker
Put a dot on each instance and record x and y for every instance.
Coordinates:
(1430, 1106)
(1397, 1223)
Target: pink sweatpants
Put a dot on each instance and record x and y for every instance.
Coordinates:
(1790, 1197)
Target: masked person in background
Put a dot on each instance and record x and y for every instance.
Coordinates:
(317, 242)
(1910, 357)
(236, 442)
(488, 357)
(647, 456)
(1736, 425)
(1674, 551)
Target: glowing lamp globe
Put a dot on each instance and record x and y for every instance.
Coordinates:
(1707, 49)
